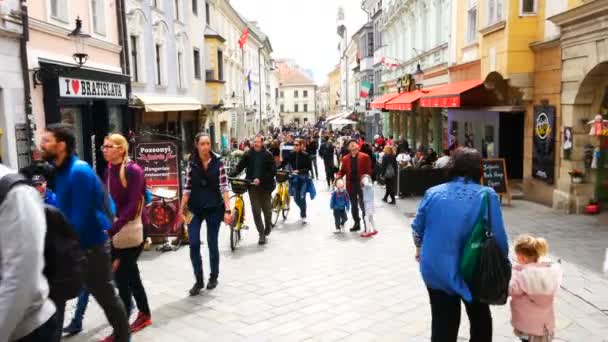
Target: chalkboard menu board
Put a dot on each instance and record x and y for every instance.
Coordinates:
(495, 175)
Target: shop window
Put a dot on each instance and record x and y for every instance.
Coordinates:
(73, 116)
(59, 10)
(472, 21)
(528, 7)
(115, 119)
(494, 11)
(98, 16)
(196, 56)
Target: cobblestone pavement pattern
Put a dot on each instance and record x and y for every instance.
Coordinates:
(309, 284)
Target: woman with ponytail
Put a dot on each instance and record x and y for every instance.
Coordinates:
(125, 183)
(534, 283)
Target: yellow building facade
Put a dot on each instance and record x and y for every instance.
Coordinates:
(334, 78)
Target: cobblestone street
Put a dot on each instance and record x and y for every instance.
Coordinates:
(311, 284)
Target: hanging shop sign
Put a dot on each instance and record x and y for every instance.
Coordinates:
(406, 83)
(543, 148)
(159, 161)
(79, 88)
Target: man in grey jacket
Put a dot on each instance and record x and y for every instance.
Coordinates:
(26, 313)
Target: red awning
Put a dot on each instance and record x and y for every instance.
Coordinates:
(380, 102)
(405, 100)
(449, 95)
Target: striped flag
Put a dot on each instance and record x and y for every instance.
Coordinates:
(365, 88)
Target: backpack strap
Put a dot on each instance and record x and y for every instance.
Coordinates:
(8, 182)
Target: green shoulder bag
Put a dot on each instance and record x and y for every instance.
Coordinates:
(472, 249)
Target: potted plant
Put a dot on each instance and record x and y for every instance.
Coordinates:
(577, 176)
(593, 207)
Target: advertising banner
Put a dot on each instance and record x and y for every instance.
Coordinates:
(543, 147)
(159, 161)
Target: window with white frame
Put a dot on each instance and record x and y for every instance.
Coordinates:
(180, 69)
(59, 9)
(495, 9)
(528, 7)
(159, 59)
(135, 55)
(98, 16)
(471, 21)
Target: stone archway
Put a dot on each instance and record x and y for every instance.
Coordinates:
(584, 94)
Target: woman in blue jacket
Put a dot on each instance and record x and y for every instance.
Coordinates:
(443, 224)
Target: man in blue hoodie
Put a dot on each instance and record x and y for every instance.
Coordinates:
(80, 197)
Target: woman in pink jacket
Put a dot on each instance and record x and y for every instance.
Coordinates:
(534, 283)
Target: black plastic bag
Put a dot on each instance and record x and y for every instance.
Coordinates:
(490, 283)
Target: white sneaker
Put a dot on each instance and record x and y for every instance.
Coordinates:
(303, 221)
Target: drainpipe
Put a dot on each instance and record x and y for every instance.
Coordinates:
(260, 82)
(124, 56)
(27, 94)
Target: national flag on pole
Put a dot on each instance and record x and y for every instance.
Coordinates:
(249, 81)
(365, 88)
(243, 39)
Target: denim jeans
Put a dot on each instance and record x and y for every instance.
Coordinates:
(340, 217)
(81, 307)
(213, 216)
(300, 195)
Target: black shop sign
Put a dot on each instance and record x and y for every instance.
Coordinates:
(495, 175)
(543, 147)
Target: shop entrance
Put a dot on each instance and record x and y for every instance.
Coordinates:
(511, 135)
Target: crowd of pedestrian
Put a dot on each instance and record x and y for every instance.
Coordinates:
(104, 215)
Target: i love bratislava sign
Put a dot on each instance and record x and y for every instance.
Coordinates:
(79, 88)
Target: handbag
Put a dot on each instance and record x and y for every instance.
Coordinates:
(489, 282)
(470, 253)
(132, 233)
(389, 172)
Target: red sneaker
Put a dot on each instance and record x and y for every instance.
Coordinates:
(108, 339)
(140, 322)
(374, 232)
(366, 234)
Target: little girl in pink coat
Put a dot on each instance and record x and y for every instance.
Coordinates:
(534, 283)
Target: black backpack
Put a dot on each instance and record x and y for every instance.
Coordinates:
(64, 259)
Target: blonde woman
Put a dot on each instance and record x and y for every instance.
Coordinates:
(125, 182)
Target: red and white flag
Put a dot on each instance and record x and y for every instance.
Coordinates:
(243, 39)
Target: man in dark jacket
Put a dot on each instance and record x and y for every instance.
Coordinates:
(261, 170)
(312, 146)
(354, 166)
(327, 152)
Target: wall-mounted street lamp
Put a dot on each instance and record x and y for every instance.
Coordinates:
(418, 76)
(80, 57)
(80, 38)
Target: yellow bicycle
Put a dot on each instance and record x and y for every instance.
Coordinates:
(239, 187)
(281, 199)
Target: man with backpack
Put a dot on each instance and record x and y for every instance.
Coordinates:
(26, 312)
(81, 198)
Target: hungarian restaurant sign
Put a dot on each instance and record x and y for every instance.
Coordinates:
(78, 88)
(159, 161)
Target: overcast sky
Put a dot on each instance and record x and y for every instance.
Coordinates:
(304, 30)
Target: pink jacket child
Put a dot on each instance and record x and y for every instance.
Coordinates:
(533, 287)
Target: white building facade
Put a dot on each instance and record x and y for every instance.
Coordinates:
(12, 105)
